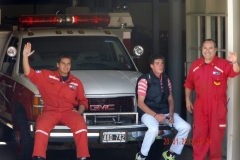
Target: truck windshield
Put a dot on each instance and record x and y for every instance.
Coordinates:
(87, 52)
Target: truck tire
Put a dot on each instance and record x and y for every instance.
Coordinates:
(21, 136)
(5, 132)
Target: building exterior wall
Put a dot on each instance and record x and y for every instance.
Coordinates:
(233, 32)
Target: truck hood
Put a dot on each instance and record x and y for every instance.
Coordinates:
(107, 82)
(99, 82)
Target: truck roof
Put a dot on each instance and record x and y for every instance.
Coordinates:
(43, 32)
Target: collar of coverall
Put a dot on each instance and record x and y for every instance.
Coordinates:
(70, 76)
(213, 62)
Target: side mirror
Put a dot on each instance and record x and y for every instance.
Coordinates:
(11, 51)
(138, 51)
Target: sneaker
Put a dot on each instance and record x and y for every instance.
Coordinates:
(138, 157)
(81, 158)
(38, 158)
(166, 157)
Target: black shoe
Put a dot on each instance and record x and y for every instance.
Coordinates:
(38, 158)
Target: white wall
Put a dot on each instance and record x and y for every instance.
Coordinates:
(233, 133)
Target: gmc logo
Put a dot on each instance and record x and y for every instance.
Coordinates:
(105, 107)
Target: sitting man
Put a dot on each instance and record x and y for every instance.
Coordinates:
(60, 91)
(155, 105)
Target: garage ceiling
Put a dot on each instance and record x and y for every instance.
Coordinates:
(65, 1)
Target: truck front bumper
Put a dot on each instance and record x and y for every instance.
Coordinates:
(135, 132)
(132, 131)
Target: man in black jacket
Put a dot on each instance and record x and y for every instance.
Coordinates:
(155, 105)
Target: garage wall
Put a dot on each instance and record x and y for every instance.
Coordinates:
(16, 10)
(233, 143)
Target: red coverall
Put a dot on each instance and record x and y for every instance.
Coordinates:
(210, 83)
(59, 100)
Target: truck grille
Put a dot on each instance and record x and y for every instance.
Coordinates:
(119, 104)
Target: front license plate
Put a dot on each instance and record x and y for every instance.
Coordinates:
(113, 136)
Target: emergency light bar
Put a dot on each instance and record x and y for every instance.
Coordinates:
(89, 20)
(43, 20)
(61, 20)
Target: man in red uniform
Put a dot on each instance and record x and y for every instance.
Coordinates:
(208, 77)
(61, 92)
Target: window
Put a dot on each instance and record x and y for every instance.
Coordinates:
(87, 52)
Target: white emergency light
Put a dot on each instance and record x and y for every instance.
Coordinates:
(120, 20)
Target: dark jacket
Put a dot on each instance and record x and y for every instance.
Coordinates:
(155, 99)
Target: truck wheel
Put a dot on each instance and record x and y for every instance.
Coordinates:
(5, 132)
(21, 137)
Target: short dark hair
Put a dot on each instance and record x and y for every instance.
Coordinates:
(211, 40)
(153, 57)
(63, 55)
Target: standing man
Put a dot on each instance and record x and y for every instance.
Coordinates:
(208, 77)
(155, 105)
(61, 92)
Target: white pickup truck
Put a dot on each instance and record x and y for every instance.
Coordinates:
(100, 60)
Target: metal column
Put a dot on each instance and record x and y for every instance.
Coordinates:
(155, 23)
(175, 64)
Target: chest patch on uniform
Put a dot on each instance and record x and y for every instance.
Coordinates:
(38, 71)
(72, 87)
(217, 83)
(216, 73)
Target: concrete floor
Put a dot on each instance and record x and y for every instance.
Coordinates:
(128, 152)
(187, 154)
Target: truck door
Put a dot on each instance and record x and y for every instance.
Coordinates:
(7, 83)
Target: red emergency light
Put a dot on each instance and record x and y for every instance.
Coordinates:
(102, 20)
(43, 20)
(60, 20)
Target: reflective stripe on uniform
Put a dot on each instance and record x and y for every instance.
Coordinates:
(41, 131)
(81, 130)
(195, 68)
(218, 69)
(222, 125)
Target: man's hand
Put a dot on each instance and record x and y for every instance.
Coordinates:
(27, 50)
(189, 106)
(232, 57)
(81, 109)
(160, 118)
(171, 119)
(26, 53)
